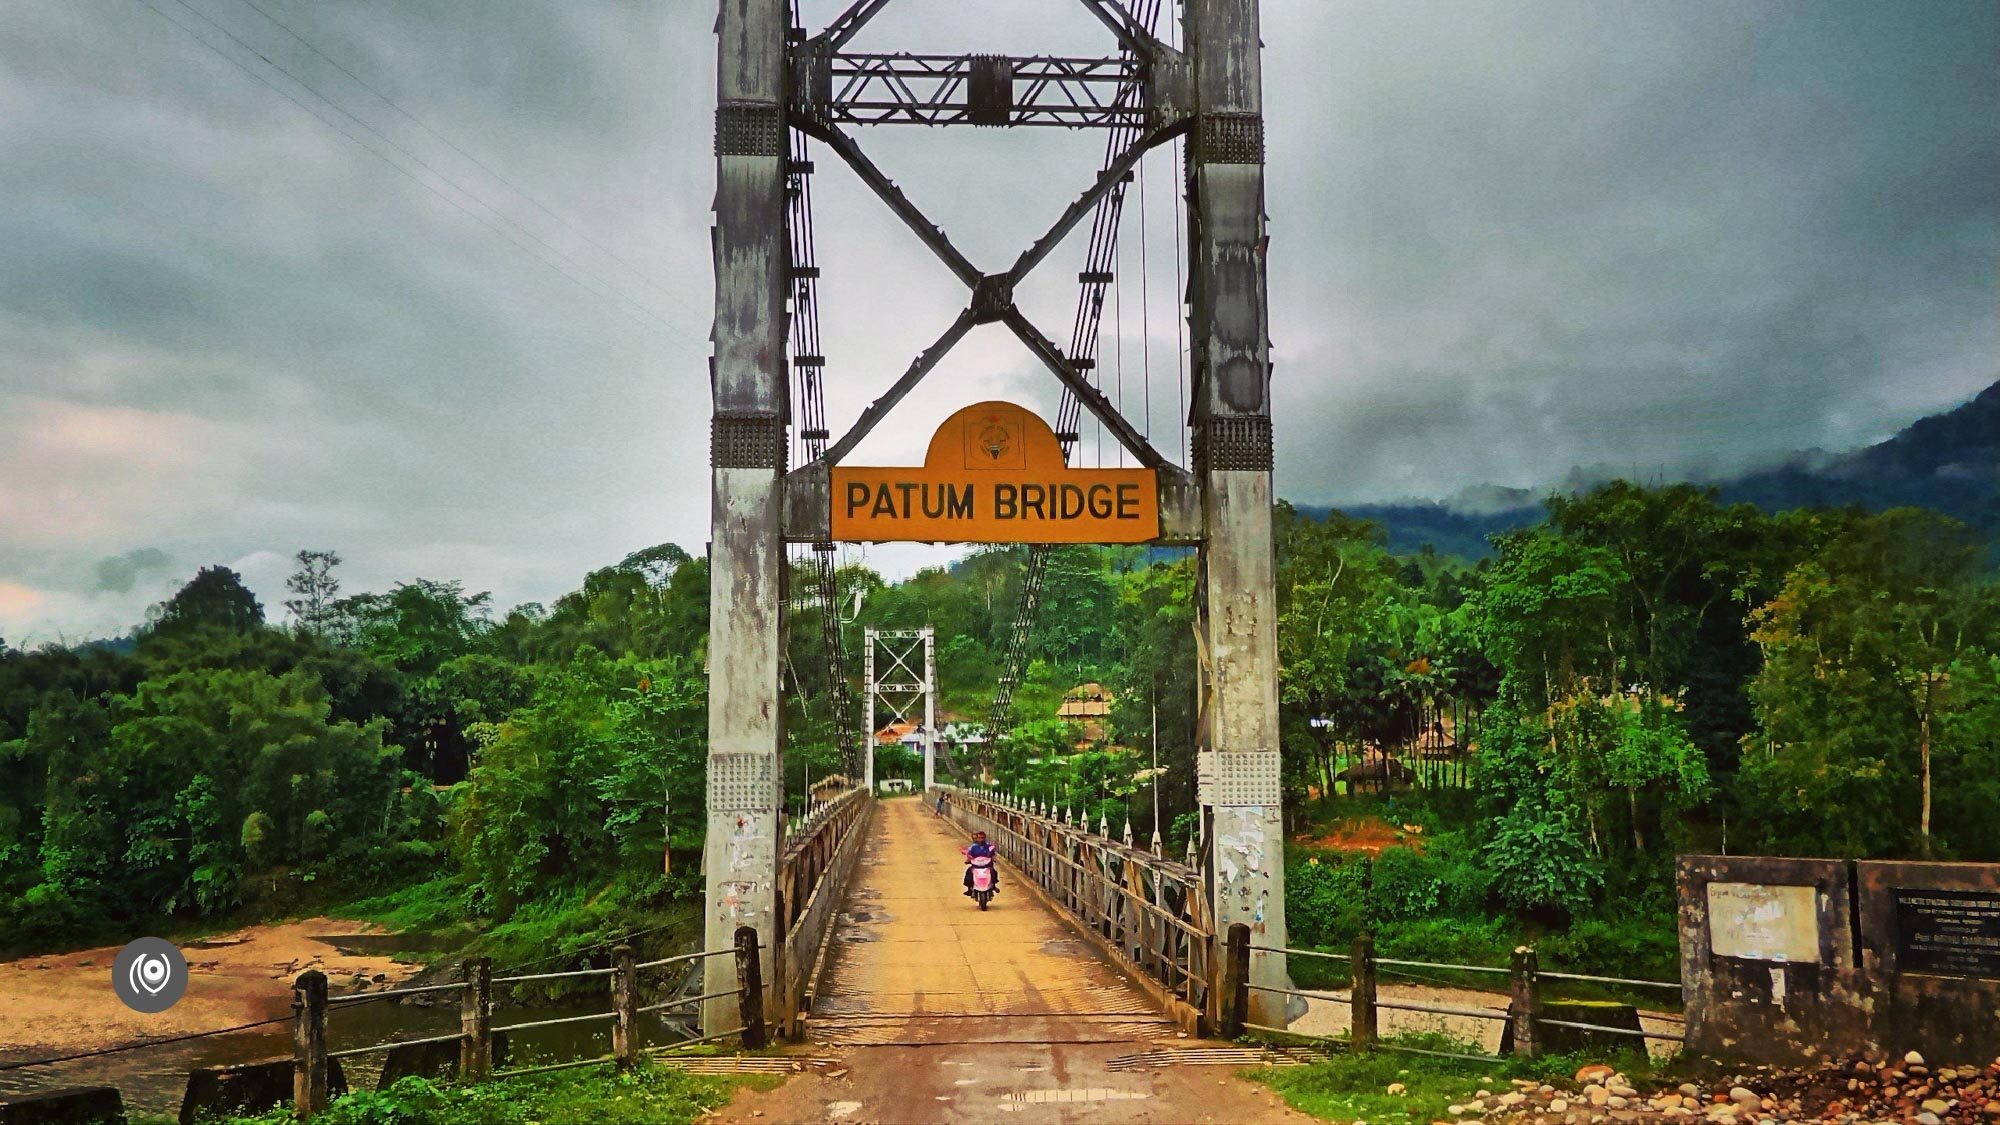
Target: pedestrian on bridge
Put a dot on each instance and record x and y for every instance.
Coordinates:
(939, 814)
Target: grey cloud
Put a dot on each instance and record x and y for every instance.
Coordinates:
(117, 573)
(1686, 235)
(1508, 238)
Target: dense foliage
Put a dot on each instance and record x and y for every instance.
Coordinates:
(212, 761)
(1647, 671)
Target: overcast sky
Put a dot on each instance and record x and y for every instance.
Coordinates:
(463, 335)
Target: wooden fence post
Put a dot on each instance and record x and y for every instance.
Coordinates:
(750, 985)
(1362, 1029)
(1236, 997)
(309, 1063)
(624, 1006)
(1527, 1006)
(475, 1020)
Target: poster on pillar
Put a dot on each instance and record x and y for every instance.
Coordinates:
(995, 474)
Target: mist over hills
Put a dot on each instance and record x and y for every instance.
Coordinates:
(1949, 461)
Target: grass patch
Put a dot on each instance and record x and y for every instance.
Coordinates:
(429, 907)
(1354, 1087)
(650, 1094)
(558, 927)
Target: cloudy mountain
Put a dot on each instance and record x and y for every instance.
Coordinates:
(1949, 461)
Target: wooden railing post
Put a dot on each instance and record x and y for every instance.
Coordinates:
(309, 1064)
(1362, 1029)
(1527, 1005)
(750, 987)
(475, 1021)
(624, 1006)
(1236, 975)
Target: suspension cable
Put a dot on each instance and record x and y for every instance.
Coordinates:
(1083, 352)
(1145, 307)
(809, 429)
(1118, 332)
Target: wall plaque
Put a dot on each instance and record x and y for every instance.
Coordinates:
(1763, 922)
(1949, 933)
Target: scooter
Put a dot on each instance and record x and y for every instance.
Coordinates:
(982, 879)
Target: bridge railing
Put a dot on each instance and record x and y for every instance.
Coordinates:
(1147, 912)
(473, 1051)
(1525, 1015)
(819, 857)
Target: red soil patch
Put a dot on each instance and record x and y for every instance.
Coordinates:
(1366, 836)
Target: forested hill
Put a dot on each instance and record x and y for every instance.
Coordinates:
(1949, 462)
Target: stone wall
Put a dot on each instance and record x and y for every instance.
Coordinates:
(1768, 965)
(1785, 959)
(1930, 940)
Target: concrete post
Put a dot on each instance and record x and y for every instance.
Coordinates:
(1236, 978)
(624, 1006)
(930, 708)
(309, 1062)
(1361, 994)
(1526, 1007)
(749, 989)
(1231, 415)
(475, 1020)
(747, 452)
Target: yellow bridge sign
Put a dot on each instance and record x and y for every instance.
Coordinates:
(995, 474)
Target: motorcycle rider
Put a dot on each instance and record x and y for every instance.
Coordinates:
(977, 848)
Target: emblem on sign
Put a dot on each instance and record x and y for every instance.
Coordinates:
(994, 440)
(995, 474)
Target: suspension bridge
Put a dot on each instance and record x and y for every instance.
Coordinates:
(1098, 942)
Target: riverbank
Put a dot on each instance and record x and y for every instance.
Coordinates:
(63, 1003)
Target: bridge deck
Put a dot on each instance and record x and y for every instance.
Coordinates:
(946, 1013)
(914, 961)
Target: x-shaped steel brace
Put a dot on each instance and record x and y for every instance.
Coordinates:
(898, 659)
(993, 294)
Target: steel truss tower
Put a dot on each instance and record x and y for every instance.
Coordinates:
(909, 677)
(773, 79)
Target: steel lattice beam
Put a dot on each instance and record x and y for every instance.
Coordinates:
(908, 89)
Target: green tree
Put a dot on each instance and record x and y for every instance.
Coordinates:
(214, 597)
(1551, 615)
(1157, 686)
(313, 587)
(658, 762)
(79, 829)
(582, 784)
(1875, 653)
(1337, 597)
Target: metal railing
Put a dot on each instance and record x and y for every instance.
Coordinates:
(812, 875)
(1523, 1012)
(476, 1037)
(1148, 912)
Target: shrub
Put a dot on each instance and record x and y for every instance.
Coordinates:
(1406, 885)
(1325, 900)
(1462, 941)
(1644, 945)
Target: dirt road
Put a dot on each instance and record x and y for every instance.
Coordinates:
(943, 1013)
